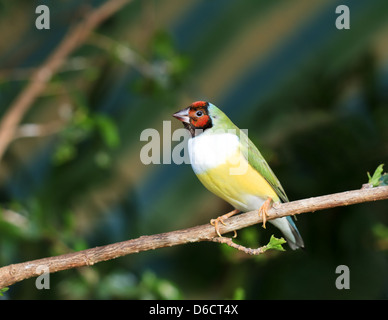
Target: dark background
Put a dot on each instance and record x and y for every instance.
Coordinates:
(314, 99)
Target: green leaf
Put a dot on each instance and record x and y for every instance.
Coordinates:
(239, 294)
(380, 231)
(374, 180)
(275, 243)
(64, 153)
(3, 290)
(108, 131)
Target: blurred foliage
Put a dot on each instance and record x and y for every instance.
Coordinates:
(314, 99)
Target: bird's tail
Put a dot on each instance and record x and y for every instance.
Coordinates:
(290, 232)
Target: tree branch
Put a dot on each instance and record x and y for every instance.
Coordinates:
(39, 79)
(18, 272)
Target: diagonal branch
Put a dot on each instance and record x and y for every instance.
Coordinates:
(39, 79)
(18, 272)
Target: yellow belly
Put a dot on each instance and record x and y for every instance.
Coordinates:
(244, 191)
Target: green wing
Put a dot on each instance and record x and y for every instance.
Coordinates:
(257, 161)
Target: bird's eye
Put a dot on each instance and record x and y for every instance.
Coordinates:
(199, 113)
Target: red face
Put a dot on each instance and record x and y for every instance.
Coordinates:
(196, 116)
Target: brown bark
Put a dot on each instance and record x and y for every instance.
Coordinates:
(18, 272)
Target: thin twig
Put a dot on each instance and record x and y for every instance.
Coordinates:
(124, 53)
(230, 243)
(22, 74)
(32, 130)
(39, 79)
(18, 272)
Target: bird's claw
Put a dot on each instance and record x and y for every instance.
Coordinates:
(215, 222)
(263, 211)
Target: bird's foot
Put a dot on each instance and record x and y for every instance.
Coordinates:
(215, 222)
(263, 211)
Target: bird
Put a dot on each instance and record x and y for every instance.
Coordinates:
(229, 165)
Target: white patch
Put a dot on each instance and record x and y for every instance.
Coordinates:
(209, 150)
(251, 202)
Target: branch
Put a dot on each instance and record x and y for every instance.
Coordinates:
(39, 79)
(18, 272)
